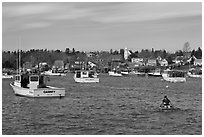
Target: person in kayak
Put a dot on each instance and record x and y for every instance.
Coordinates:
(166, 102)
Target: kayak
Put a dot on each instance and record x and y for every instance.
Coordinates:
(166, 107)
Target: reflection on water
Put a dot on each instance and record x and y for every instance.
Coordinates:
(125, 105)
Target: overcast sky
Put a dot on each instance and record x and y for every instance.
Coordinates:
(101, 26)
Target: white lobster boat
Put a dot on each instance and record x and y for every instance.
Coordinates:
(85, 77)
(115, 74)
(50, 73)
(174, 76)
(6, 76)
(195, 73)
(34, 86)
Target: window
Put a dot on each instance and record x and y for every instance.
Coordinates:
(84, 73)
(18, 78)
(33, 78)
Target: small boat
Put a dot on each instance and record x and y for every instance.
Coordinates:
(195, 73)
(155, 73)
(86, 77)
(51, 73)
(7, 76)
(138, 73)
(174, 76)
(115, 73)
(35, 86)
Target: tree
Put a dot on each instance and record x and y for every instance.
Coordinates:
(73, 50)
(164, 53)
(193, 53)
(179, 53)
(111, 51)
(122, 52)
(67, 51)
(186, 47)
(169, 59)
(198, 53)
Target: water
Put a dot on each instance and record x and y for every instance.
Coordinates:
(122, 105)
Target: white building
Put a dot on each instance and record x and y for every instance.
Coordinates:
(135, 60)
(126, 53)
(163, 62)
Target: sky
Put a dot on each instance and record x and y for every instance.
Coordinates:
(88, 26)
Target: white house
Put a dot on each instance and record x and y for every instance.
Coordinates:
(152, 62)
(163, 62)
(136, 60)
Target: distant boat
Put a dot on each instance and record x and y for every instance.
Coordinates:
(35, 86)
(50, 73)
(195, 73)
(124, 72)
(174, 76)
(86, 77)
(136, 72)
(7, 76)
(155, 73)
(115, 73)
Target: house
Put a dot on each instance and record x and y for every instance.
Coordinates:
(163, 62)
(159, 58)
(91, 64)
(179, 60)
(136, 60)
(151, 62)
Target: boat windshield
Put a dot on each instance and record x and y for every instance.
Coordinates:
(34, 78)
(176, 74)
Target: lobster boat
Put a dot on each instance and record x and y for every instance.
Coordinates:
(31, 85)
(86, 77)
(174, 76)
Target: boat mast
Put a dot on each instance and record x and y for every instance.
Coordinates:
(19, 55)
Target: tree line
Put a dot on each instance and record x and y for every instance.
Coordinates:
(35, 56)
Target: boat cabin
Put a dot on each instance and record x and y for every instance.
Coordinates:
(30, 81)
(85, 74)
(174, 73)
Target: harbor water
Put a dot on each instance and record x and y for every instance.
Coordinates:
(117, 105)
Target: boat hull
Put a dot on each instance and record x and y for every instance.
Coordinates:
(86, 80)
(173, 79)
(40, 92)
(114, 74)
(194, 75)
(53, 74)
(124, 73)
(155, 74)
(7, 76)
